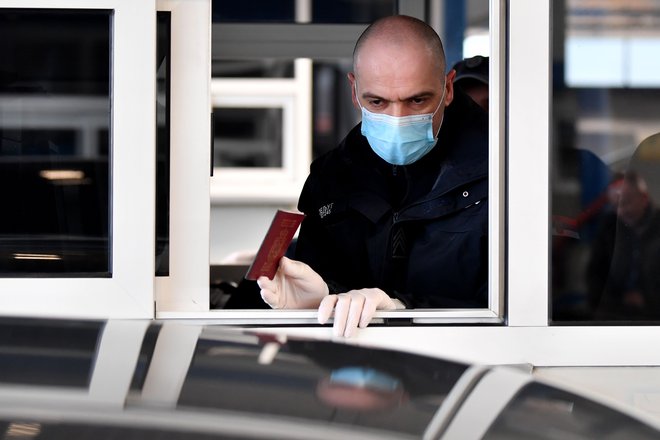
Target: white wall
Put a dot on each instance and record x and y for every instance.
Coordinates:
(237, 228)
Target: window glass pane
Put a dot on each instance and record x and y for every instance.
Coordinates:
(254, 11)
(605, 162)
(51, 353)
(248, 137)
(54, 125)
(351, 11)
(284, 11)
(542, 412)
(163, 144)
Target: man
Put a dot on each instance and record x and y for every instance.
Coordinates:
(472, 78)
(624, 280)
(397, 215)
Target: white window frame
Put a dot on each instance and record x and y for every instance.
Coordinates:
(186, 288)
(241, 183)
(225, 187)
(129, 292)
(268, 185)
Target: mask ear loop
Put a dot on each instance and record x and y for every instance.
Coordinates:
(357, 97)
(444, 92)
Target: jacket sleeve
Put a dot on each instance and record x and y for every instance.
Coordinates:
(313, 247)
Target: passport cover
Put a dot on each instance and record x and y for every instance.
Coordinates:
(277, 239)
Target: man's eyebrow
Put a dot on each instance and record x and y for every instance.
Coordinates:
(368, 95)
(425, 94)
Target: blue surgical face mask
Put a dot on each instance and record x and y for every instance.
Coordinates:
(400, 140)
(361, 377)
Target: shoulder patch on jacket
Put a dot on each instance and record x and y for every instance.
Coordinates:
(325, 210)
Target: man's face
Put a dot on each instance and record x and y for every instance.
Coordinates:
(400, 81)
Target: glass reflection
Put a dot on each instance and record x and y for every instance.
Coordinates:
(48, 353)
(163, 144)
(318, 380)
(54, 124)
(623, 277)
(542, 412)
(603, 168)
(194, 380)
(59, 379)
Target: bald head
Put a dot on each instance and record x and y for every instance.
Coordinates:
(400, 32)
(399, 70)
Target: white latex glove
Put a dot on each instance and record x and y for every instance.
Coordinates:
(294, 286)
(355, 309)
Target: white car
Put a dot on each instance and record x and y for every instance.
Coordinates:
(64, 379)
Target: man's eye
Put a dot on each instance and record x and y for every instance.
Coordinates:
(418, 101)
(376, 102)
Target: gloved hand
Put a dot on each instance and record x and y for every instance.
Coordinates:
(294, 286)
(354, 309)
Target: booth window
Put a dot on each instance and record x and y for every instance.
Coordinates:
(54, 128)
(605, 168)
(281, 99)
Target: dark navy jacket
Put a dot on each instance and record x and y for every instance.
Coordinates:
(418, 232)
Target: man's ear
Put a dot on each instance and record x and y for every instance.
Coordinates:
(352, 82)
(449, 87)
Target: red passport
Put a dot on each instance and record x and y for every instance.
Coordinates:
(279, 235)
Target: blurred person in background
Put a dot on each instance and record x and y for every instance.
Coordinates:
(624, 276)
(472, 78)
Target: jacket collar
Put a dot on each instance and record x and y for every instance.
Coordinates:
(459, 157)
